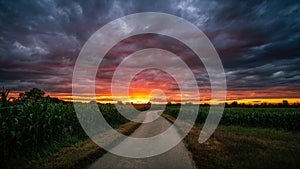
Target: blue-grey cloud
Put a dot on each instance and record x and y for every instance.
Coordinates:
(258, 41)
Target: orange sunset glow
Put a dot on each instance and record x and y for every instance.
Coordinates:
(142, 94)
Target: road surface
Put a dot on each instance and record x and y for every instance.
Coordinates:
(176, 158)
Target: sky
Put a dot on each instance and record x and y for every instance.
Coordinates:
(258, 43)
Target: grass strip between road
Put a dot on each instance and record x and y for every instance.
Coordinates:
(78, 155)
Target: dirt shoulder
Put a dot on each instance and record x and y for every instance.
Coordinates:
(79, 155)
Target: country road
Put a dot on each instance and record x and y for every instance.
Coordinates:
(176, 158)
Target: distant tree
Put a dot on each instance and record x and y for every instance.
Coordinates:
(264, 104)
(33, 94)
(234, 104)
(52, 99)
(285, 103)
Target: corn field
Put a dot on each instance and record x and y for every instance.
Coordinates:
(279, 118)
(27, 126)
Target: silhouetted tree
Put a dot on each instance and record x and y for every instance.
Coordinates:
(234, 104)
(33, 94)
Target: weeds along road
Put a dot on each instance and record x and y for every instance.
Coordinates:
(177, 158)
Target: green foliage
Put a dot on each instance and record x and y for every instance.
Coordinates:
(4, 96)
(279, 118)
(283, 118)
(34, 94)
(28, 126)
(36, 122)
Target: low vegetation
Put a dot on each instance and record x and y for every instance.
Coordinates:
(287, 118)
(79, 155)
(247, 137)
(34, 126)
(235, 147)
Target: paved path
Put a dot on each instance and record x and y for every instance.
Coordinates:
(176, 158)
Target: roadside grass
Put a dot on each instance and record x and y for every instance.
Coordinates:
(244, 147)
(44, 152)
(78, 155)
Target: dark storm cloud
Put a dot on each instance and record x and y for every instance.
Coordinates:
(40, 40)
(258, 41)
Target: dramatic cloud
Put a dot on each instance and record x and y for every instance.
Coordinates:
(258, 42)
